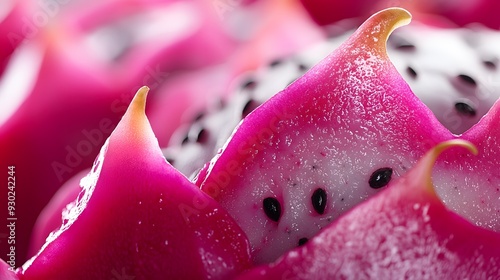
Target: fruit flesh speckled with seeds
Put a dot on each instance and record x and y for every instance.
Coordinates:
(404, 232)
(363, 119)
(460, 81)
(355, 107)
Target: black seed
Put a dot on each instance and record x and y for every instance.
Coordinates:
(185, 140)
(406, 47)
(272, 208)
(490, 64)
(467, 79)
(199, 116)
(202, 136)
(411, 72)
(465, 109)
(380, 178)
(275, 63)
(318, 199)
(303, 241)
(249, 84)
(249, 107)
(302, 67)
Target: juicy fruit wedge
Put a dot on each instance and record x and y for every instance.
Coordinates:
(404, 232)
(330, 140)
(138, 216)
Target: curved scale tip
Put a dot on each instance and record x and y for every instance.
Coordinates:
(426, 164)
(376, 30)
(395, 17)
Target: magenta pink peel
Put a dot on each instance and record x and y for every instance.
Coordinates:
(138, 214)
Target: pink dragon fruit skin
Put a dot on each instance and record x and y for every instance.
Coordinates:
(32, 140)
(355, 107)
(76, 101)
(138, 215)
(404, 232)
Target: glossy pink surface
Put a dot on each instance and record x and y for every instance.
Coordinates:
(138, 215)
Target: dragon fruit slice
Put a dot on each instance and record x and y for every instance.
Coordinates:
(137, 215)
(355, 107)
(404, 232)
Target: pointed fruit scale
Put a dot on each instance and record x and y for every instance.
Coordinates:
(356, 108)
(138, 216)
(75, 95)
(404, 232)
(55, 132)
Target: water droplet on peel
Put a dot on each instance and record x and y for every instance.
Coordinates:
(166, 242)
(425, 213)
